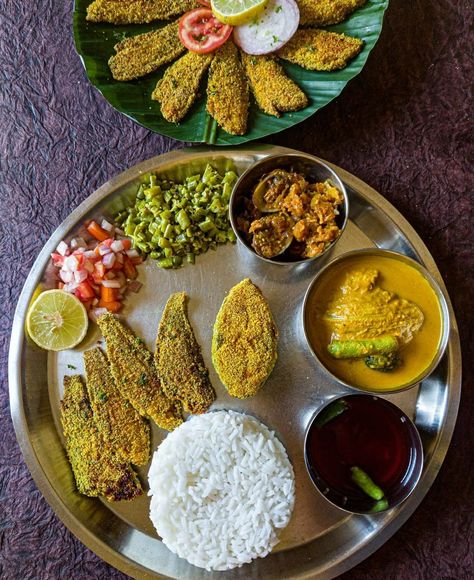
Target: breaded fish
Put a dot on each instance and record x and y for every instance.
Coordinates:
(96, 470)
(178, 358)
(135, 374)
(244, 341)
(145, 53)
(320, 50)
(227, 90)
(273, 90)
(325, 12)
(178, 88)
(118, 422)
(137, 11)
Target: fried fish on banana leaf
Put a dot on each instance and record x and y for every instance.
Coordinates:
(178, 358)
(273, 90)
(96, 469)
(145, 53)
(244, 341)
(178, 88)
(325, 12)
(137, 11)
(135, 374)
(320, 50)
(118, 422)
(227, 90)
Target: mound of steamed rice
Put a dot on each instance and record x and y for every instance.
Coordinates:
(222, 487)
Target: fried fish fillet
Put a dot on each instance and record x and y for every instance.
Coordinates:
(244, 341)
(227, 90)
(178, 358)
(135, 374)
(118, 422)
(178, 88)
(145, 53)
(137, 11)
(325, 12)
(320, 50)
(273, 90)
(96, 469)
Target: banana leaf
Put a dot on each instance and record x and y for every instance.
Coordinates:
(94, 44)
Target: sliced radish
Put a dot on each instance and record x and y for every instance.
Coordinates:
(269, 30)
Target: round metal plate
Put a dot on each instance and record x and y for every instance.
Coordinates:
(320, 541)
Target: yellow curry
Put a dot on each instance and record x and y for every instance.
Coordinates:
(367, 309)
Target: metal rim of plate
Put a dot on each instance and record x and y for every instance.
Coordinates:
(357, 536)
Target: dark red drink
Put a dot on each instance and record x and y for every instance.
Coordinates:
(369, 433)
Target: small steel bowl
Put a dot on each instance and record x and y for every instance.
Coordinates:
(313, 169)
(444, 313)
(359, 503)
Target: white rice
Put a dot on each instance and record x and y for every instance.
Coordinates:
(222, 486)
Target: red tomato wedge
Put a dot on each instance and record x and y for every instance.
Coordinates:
(201, 32)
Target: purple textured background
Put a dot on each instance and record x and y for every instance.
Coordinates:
(402, 125)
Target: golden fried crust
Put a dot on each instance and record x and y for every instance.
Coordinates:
(273, 90)
(145, 53)
(178, 88)
(118, 422)
(324, 12)
(320, 50)
(179, 361)
(227, 90)
(244, 341)
(135, 375)
(137, 11)
(96, 469)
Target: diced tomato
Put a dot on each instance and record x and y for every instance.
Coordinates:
(201, 32)
(129, 269)
(97, 232)
(127, 244)
(84, 291)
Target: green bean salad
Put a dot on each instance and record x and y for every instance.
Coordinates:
(175, 222)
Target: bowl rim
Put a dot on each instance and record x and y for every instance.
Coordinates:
(438, 291)
(413, 428)
(307, 157)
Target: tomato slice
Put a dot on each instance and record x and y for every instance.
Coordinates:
(201, 32)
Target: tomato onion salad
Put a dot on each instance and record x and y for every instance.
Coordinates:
(99, 272)
(201, 32)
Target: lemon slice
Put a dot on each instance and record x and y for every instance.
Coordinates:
(237, 12)
(57, 320)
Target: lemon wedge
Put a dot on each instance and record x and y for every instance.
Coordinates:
(57, 320)
(237, 12)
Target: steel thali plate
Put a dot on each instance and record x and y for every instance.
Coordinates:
(320, 541)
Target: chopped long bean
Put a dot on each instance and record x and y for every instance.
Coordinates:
(175, 222)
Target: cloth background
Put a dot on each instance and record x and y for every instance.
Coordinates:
(403, 126)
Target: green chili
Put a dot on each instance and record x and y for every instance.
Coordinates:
(366, 484)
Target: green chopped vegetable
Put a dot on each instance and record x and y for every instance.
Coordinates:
(175, 222)
(366, 484)
(331, 412)
(363, 347)
(380, 506)
(383, 362)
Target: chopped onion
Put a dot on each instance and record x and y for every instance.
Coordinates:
(116, 246)
(119, 231)
(89, 266)
(80, 275)
(66, 276)
(108, 260)
(71, 263)
(97, 313)
(103, 249)
(78, 243)
(107, 226)
(132, 253)
(111, 283)
(89, 254)
(62, 248)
